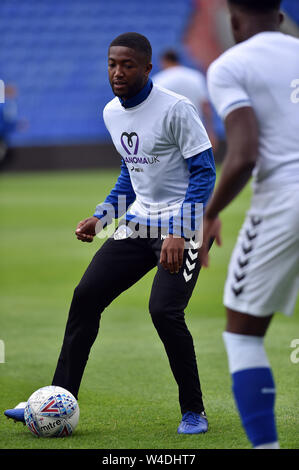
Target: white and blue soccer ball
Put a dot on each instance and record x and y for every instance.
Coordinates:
(51, 411)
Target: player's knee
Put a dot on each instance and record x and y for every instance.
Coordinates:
(163, 313)
(156, 308)
(87, 297)
(81, 292)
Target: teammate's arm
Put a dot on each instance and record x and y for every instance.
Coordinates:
(207, 113)
(242, 150)
(111, 208)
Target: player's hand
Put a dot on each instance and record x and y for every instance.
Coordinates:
(172, 253)
(86, 229)
(211, 229)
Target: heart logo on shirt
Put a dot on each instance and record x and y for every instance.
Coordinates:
(127, 142)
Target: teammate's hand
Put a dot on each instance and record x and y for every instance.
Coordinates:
(172, 253)
(85, 230)
(211, 229)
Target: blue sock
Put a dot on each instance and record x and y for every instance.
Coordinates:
(254, 392)
(253, 387)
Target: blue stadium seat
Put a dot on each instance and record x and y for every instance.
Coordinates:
(56, 55)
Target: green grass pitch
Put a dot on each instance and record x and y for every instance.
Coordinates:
(128, 397)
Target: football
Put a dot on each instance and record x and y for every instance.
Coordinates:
(51, 411)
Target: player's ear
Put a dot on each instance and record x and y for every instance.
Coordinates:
(148, 68)
(234, 23)
(281, 17)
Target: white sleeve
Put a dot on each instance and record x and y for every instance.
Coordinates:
(187, 129)
(226, 87)
(104, 115)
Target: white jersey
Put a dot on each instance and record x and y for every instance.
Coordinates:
(261, 72)
(184, 81)
(154, 138)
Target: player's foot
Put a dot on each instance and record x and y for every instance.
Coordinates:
(193, 423)
(17, 413)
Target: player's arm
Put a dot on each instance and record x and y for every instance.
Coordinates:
(114, 206)
(242, 150)
(190, 136)
(209, 123)
(227, 84)
(202, 175)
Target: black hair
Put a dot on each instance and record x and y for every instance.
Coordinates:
(257, 6)
(134, 41)
(171, 55)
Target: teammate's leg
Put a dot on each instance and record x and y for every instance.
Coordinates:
(114, 268)
(263, 277)
(252, 380)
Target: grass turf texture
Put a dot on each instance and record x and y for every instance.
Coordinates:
(128, 398)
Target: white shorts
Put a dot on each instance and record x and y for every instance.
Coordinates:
(263, 275)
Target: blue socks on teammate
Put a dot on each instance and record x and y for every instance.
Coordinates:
(253, 388)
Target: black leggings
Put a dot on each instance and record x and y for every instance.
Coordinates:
(116, 266)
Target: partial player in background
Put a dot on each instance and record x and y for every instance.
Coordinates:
(250, 86)
(9, 121)
(188, 82)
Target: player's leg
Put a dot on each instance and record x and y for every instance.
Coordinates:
(114, 268)
(169, 298)
(252, 379)
(263, 278)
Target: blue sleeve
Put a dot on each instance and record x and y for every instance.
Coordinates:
(201, 184)
(119, 199)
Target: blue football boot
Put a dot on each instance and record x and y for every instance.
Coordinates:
(17, 413)
(193, 423)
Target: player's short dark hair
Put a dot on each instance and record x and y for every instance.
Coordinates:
(258, 6)
(171, 55)
(134, 41)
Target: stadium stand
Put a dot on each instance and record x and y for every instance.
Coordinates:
(55, 52)
(291, 7)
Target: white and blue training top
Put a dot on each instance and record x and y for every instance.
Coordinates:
(167, 159)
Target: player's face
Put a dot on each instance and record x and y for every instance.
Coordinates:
(128, 71)
(245, 25)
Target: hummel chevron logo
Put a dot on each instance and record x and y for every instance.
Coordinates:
(237, 291)
(243, 263)
(187, 276)
(246, 249)
(194, 244)
(251, 235)
(239, 277)
(189, 265)
(193, 256)
(255, 220)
